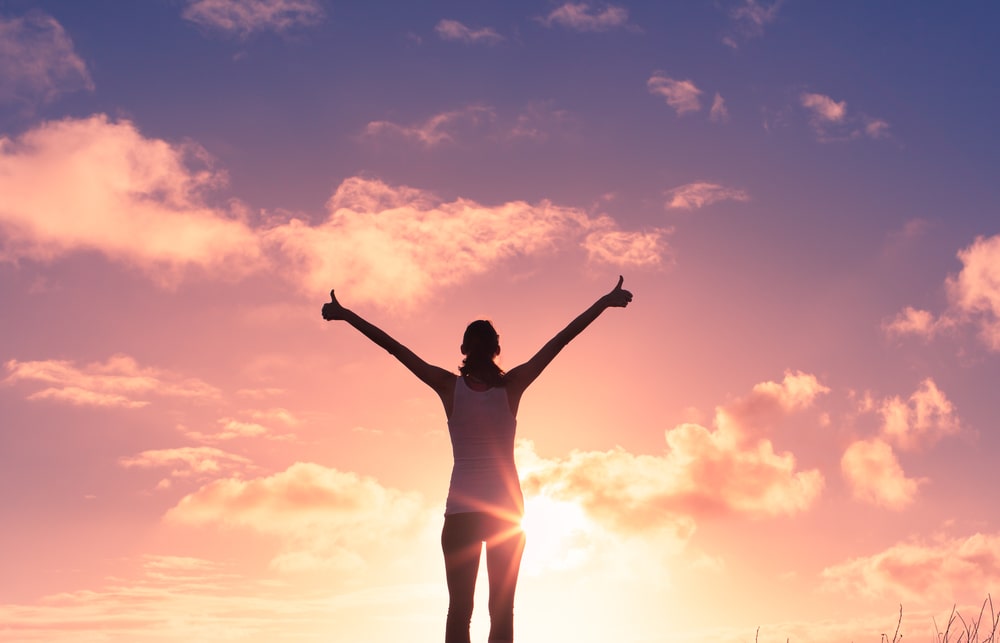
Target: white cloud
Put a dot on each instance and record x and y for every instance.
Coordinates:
(455, 30)
(702, 193)
(38, 61)
(948, 569)
(118, 382)
(325, 518)
(875, 475)
(244, 17)
(681, 95)
(581, 16)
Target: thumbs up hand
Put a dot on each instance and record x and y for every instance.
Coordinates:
(619, 297)
(333, 309)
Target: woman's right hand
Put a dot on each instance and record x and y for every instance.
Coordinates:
(333, 309)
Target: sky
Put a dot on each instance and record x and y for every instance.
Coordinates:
(790, 434)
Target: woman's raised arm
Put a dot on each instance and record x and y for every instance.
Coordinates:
(436, 377)
(519, 377)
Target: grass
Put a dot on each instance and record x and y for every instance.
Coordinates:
(956, 630)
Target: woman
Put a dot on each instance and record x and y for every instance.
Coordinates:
(484, 498)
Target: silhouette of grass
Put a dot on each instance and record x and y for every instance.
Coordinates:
(957, 629)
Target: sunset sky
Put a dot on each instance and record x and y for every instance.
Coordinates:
(794, 426)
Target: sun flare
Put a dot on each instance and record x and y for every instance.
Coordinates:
(559, 534)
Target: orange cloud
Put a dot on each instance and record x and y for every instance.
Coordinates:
(135, 200)
(186, 462)
(944, 570)
(627, 248)
(681, 95)
(923, 419)
(875, 476)
(703, 471)
(118, 382)
(324, 517)
(244, 17)
(396, 245)
(975, 291)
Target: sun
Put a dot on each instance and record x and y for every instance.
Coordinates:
(559, 534)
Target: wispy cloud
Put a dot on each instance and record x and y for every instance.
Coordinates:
(324, 517)
(702, 193)
(973, 299)
(831, 122)
(582, 16)
(455, 30)
(730, 468)
(38, 61)
(945, 569)
(190, 462)
(627, 248)
(681, 95)
(245, 17)
(718, 113)
(749, 17)
(118, 382)
(446, 127)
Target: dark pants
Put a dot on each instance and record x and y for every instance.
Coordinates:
(462, 540)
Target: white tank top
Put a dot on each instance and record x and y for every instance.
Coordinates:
(484, 477)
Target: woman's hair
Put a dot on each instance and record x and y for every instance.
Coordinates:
(481, 345)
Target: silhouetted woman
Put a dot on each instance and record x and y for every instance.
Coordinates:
(484, 499)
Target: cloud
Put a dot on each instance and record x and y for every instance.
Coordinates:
(749, 17)
(455, 30)
(974, 293)
(702, 472)
(38, 61)
(324, 517)
(875, 476)
(920, 421)
(233, 428)
(626, 248)
(581, 16)
(133, 199)
(681, 95)
(186, 462)
(245, 17)
(540, 120)
(952, 569)
(831, 122)
(142, 202)
(380, 239)
(702, 193)
(913, 321)
(446, 127)
(118, 382)
(718, 113)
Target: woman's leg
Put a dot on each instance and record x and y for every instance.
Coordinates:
(504, 548)
(462, 542)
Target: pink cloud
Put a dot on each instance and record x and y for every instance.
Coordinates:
(244, 17)
(824, 108)
(135, 200)
(446, 127)
(627, 248)
(324, 517)
(831, 122)
(187, 462)
(703, 471)
(719, 113)
(920, 421)
(118, 382)
(681, 95)
(875, 475)
(974, 292)
(38, 61)
(455, 30)
(952, 569)
(702, 193)
(581, 16)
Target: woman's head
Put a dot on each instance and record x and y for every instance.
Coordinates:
(481, 345)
